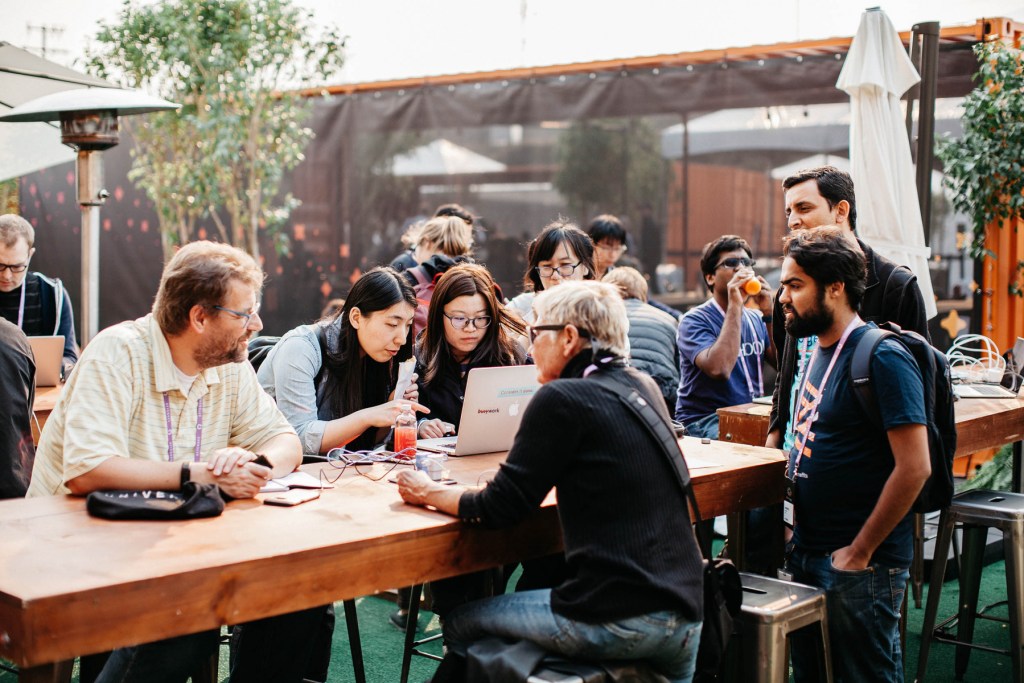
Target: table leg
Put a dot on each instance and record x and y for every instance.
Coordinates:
(58, 672)
(737, 524)
(1018, 476)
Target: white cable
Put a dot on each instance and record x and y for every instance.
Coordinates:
(974, 358)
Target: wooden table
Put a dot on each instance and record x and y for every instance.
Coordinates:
(73, 585)
(46, 399)
(980, 423)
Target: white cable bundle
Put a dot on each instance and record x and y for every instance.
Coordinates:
(974, 358)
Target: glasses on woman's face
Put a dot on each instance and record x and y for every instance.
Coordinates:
(736, 263)
(460, 322)
(564, 271)
(244, 316)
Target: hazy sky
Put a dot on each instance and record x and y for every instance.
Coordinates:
(402, 38)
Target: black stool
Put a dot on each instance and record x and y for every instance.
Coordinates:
(977, 511)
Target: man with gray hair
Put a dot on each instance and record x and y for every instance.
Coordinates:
(635, 580)
(39, 305)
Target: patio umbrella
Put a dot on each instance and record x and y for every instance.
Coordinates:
(876, 74)
(28, 147)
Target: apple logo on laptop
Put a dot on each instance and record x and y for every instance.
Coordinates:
(513, 409)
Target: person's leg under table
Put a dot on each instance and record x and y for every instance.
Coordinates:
(166, 661)
(663, 639)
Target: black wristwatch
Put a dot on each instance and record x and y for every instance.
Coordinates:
(186, 473)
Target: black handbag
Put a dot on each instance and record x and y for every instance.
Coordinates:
(191, 502)
(723, 592)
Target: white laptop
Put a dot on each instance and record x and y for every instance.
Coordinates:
(49, 355)
(977, 390)
(494, 404)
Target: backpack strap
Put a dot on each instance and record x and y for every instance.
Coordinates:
(419, 275)
(860, 371)
(895, 291)
(663, 435)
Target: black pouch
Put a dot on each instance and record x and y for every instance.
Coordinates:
(723, 600)
(191, 502)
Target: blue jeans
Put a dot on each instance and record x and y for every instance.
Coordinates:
(662, 639)
(165, 661)
(863, 619)
(704, 428)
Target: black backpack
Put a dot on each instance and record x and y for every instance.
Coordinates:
(260, 347)
(938, 405)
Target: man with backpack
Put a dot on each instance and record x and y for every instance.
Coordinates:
(852, 477)
(825, 196)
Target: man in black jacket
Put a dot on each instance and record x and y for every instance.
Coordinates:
(39, 305)
(825, 196)
(17, 393)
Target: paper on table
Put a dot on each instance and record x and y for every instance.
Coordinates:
(693, 463)
(294, 480)
(405, 370)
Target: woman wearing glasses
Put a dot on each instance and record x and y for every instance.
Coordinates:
(562, 252)
(466, 328)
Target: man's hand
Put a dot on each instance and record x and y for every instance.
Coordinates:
(850, 560)
(233, 470)
(414, 486)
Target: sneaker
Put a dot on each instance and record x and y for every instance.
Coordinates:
(399, 619)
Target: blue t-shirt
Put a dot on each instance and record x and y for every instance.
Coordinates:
(846, 459)
(699, 395)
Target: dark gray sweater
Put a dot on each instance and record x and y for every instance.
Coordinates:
(625, 523)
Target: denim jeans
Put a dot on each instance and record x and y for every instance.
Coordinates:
(662, 639)
(704, 428)
(863, 619)
(165, 661)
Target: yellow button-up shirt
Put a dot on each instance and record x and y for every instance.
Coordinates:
(113, 406)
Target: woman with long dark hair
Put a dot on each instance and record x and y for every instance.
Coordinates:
(467, 328)
(561, 253)
(334, 379)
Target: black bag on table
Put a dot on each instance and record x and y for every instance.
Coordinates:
(191, 502)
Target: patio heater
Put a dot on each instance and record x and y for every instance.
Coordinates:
(88, 124)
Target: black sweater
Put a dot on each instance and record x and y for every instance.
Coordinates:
(625, 523)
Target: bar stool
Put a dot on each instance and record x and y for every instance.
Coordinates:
(977, 511)
(411, 644)
(772, 610)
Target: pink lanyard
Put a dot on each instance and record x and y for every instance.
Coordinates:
(811, 413)
(170, 429)
(743, 359)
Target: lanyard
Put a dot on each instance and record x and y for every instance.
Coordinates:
(21, 306)
(811, 413)
(170, 429)
(743, 359)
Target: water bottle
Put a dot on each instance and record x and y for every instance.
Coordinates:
(405, 433)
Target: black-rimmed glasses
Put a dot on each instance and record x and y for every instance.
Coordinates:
(736, 263)
(460, 322)
(564, 271)
(19, 268)
(534, 330)
(244, 316)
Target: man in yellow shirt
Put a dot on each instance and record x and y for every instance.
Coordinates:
(166, 399)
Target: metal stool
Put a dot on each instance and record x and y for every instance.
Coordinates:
(977, 511)
(411, 644)
(772, 610)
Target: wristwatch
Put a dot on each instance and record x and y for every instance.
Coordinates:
(186, 473)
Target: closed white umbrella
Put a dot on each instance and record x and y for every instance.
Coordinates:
(876, 74)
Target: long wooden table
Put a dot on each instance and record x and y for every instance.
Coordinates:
(980, 423)
(71, 584)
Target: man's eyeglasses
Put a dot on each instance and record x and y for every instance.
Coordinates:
(736, 263)
(620, 247)
(563, 271)
(460, 322)
(244, 316)
(534, 330)
(20, 268)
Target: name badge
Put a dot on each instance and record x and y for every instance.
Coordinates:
(787, 514)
